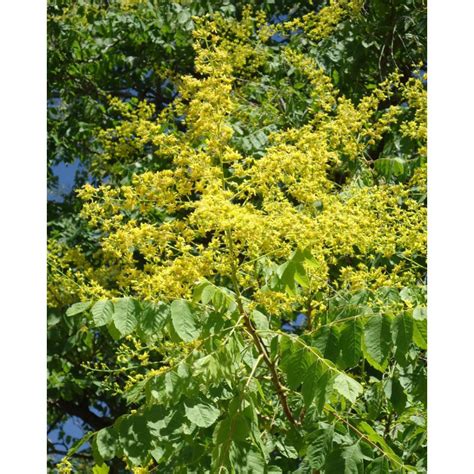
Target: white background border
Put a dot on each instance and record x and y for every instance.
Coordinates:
(23, 236)
(450, 236)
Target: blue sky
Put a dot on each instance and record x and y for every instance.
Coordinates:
(66, 173)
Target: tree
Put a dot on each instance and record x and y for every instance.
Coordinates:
(272, 185)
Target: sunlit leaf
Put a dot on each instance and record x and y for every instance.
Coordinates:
(184, 320)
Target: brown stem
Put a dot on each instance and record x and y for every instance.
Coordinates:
(274, 374)
(257, 340)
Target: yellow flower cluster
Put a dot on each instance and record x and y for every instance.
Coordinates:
(323, 92)
(140, 470)
(364, 277)
(219, 37)
(319, 25)
(419, 179)
(354, 127)
(72, 277)
(417, 129)
(130, 4)
(213, 209)
(125, 142)
(64, 466)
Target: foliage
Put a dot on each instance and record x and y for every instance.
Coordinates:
(269, 187)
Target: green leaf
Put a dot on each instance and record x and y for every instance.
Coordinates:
(235, 427)
(319, 446)
(199, 288)
(202, 414)
(296, 366)
(377, 341)
(254, 462)
(310, 260)
(184, 321)
(419, 313)
(351, 342)
(135, 438)
(106, 443)
(274, 470)
(113, 331)
(348, 460)
(293, 271)
(53, 319)
(315, 385)
(327, 342)
(347, 387)
(255, 142)
(407, 295)
(286, 274)
(297, 256)
(378, 466)
(78, 308)
(420, 385)
(394, 391)
(100, 469)
(136, 392)
(184, 16)
(376, 438)
(420, 333)
(243, 458)
(152, 319)
(300, 276)
(124, 317)
(390, 166)
(260, 320)
(157, 453)
(218, 299)
(102, 312)
(208, 293)
(402, 336)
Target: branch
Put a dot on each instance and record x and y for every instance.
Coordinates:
(82, 411)
(258, 341)
(273, 371)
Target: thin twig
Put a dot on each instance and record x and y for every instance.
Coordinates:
(257, 340)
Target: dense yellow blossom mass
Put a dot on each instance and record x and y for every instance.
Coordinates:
(209, 207)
